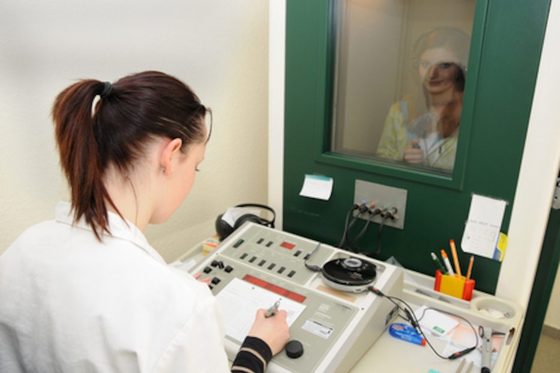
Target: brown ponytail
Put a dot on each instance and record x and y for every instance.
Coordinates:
(113, 132)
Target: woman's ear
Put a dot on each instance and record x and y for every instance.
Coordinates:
(169, 151)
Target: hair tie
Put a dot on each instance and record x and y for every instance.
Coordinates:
(107, 88)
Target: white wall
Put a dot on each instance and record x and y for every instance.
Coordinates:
(552, 318)
(218, 47)
(276, 53)
(536, 180)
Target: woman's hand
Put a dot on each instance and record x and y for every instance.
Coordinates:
(273, 330)
(413, 153)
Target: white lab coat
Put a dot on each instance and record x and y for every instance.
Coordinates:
(71, 304)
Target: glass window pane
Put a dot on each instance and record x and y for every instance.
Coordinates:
(400, 75)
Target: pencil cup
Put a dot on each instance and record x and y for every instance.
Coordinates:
(454, 285)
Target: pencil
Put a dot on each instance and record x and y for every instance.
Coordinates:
(446, 262)
(469, 271)
(455, 258)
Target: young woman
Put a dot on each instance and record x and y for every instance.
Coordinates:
(423, 128)
(86, 292)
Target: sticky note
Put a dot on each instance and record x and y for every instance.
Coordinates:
(317, 186)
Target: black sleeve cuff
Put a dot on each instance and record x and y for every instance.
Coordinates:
(254, 355)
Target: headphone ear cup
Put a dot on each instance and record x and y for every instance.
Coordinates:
(245, 218)
(223, 229)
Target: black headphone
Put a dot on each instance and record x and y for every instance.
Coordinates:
(224, 229)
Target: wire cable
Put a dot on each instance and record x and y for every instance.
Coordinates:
(415, 322)
(386, 214)
(348, 224)
(312, 267)
(379, 230)
(369, 220)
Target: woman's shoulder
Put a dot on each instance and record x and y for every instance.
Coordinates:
(35, 234)
(399, 106)
(401, 109)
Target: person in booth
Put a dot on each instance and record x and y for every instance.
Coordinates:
(423, 127)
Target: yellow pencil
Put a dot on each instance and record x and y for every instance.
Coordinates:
(455, 258)
(469, 271)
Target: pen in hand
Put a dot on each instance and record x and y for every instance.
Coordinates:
(271, 311)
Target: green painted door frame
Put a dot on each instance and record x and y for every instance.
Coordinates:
(506, 46)
(497, 104)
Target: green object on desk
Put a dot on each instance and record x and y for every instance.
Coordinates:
(438, 263)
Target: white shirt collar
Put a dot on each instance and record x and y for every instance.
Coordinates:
(119, 228)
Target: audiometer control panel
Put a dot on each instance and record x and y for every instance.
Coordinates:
(331, 313)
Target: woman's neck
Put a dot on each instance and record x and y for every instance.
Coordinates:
(126, 193)
(442, 98)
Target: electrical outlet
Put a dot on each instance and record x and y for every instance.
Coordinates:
(382, 197)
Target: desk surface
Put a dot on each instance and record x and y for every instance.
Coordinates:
(389, 354)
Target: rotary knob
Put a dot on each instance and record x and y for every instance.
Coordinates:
(294, 349)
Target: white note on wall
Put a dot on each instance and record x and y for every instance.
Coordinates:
(483, 225)
(317, 186)
(239, 302)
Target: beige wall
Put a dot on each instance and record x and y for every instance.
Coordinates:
(219, 47)
(553, 313)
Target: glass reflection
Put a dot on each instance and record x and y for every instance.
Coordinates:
(399, 79)
(422, 128)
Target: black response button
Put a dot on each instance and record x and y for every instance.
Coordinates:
(294, 349)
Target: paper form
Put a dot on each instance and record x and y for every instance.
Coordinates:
(239, 302)
(483, 226)
(435, 322)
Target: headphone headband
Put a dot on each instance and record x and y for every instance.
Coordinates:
(264, 207)
(224, 228)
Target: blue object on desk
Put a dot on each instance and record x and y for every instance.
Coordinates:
(406, 333)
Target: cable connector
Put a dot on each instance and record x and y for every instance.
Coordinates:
(411, 319)
(313, 267)
(390, 213)
(363, 208)
(374, 210)
(376, 291)
(461, 353)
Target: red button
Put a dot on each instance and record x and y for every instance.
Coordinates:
(287, 245)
